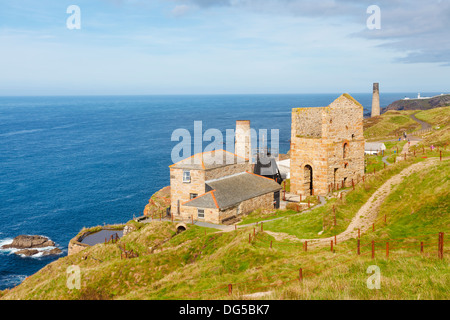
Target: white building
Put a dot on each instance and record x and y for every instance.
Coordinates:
(285, 168)
(374, 147)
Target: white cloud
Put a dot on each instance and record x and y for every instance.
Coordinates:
(180, 10)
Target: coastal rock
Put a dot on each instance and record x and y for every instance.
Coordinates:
(32, 252)
(54, 251)
(29, 242)
(27, 252)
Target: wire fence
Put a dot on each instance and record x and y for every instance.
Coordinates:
(386, 247)
(375, 249)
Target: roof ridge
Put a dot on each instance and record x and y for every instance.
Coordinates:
(225, 177)
(204, 194)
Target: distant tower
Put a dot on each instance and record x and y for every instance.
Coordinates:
(376, 100)
(243, 139)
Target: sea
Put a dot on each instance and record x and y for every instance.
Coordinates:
(72, 162)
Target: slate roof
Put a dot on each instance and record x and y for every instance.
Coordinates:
(209, 160)
(231, 190)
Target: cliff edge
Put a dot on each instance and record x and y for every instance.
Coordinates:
(419, 104)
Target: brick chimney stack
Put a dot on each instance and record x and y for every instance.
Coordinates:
(242, 145)
(376, 100)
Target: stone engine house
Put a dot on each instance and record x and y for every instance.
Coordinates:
(327, 146)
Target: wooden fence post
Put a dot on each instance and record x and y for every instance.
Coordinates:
(387, 249)
(441, 245)
(373, 249)
(421, 247)
(359, 247)
(359, 233)
(249, 238)
(262, 227)
(335, 240)
(230, 289)
(331, 245)
(306, 246)
(270, 244)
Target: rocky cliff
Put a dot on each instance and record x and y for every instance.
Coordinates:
(419, 104)
(158, 202)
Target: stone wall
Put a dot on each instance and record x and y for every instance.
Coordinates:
(313, 153)
(307, 122)
(180, 191)
(264, 201)
(217, 216)
(211, 214)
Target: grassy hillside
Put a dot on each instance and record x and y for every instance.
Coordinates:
(439, 118)
(200, 263)
(389, 124)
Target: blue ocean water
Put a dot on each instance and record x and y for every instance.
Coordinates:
(73, 162)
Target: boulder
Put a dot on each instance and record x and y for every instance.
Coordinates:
(27, 252)
(29, 242)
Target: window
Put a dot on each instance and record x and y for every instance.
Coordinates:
(186, 176)
(193, 195)
(200, 213)
(345, 150)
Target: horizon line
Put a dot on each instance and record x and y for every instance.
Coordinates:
(206, 94)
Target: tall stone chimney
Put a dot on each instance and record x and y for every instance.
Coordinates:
(376, 100)
(242, 145)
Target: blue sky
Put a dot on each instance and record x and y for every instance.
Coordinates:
(222, 47)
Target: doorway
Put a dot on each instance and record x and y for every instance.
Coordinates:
(308, 180)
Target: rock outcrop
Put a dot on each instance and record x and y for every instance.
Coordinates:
(158, 202)
(29, 244)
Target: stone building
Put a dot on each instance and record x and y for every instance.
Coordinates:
(219, 185)
(327, 146)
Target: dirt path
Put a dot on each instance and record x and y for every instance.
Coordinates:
(405, 149)
(367, 214)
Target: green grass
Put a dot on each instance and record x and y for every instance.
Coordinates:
(309, 224)
(199, 265)
(391, 123)
(437, 116)
(259, 215)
